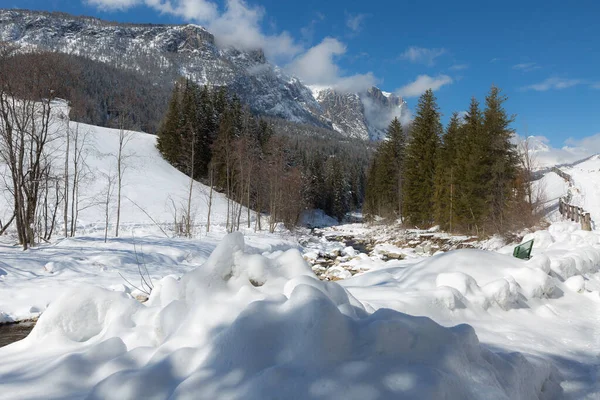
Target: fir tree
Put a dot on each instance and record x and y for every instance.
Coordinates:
(446, 175)
(337, 201)
(168, 141)
(397, 144)
(472, 170)
(421, 161)
(206, 126)
(503, 158)
(188, 131)
(386, 176)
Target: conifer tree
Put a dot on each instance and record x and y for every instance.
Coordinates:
(337, 201)
(397, 143)
(472, 170)
(206, 126)
(421, 161)
(168, 141)
(503, 158)
(386, 176)
(446, 175)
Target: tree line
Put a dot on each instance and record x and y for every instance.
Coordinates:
(469, 178)
(267, 165)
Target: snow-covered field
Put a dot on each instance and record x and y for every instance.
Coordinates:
(244, 316)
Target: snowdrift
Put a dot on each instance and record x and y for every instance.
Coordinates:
(249, 326)
(480, 280)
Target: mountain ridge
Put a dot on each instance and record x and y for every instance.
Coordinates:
(167, 51)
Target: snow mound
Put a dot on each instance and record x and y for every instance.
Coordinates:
(481, 280)
(248, 326)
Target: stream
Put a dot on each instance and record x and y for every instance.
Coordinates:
(10, 333)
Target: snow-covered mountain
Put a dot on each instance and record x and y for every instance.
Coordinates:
(363, 115)
(168, 51)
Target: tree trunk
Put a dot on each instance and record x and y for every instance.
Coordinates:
(210, 196)
(66, 205)
(188, 222)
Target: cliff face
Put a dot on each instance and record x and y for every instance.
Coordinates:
(363, 115)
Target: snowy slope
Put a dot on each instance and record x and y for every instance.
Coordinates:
(586, 182)
(148, 181)
(548, 190)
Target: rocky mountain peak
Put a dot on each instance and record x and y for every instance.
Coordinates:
(363, 115)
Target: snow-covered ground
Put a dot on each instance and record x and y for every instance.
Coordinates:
(244, 317)
(548, 307)
(586, 190)
(249, 326)
(153, 193)
(548, 190)
(31, 280)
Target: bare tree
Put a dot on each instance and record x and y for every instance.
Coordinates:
(108, 193)
(192, 165)
(79, 167)
(66, 177)
(26, 102)
(124, 138)
(529, 164)
(211, 178)
(51, 197)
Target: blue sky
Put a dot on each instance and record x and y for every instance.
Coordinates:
(543, 54)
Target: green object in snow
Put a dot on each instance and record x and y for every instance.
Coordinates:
(523, 251)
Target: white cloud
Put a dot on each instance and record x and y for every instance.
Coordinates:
(459, 67)
(596, 85)
(422, 83)
(573, 150)
(590, 144)
(114, 4)
(553, 83)
(355, 22)
(199, 10)
(239, 26)
(422, 55)
(526, 67)
(317, 67)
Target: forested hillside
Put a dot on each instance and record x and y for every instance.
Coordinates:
(268, 165)
(98, 92)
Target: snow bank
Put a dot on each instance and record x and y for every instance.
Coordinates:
(248, 326)
(480, 279)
